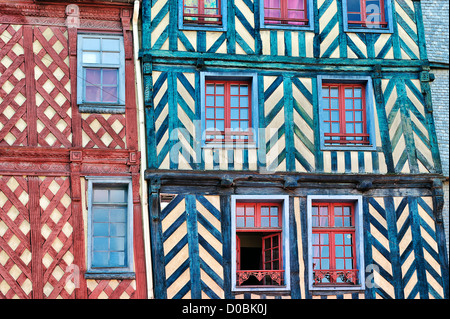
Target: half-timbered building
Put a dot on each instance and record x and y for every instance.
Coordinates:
(291, 150)
(70, 211)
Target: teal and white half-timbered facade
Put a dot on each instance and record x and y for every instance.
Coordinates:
(291, 150)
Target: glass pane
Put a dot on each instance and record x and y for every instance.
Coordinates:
(348, 264)
(100, 215)
(118, 195)
(265, 210)
(117, 259)
(339, 263)
(338, 210)
(210, 113)
(91, 57)
(210, 89)
(274, 211)
(334, 104)
(315, 221)
(325, 264)
(92, 94)
(220, 101)
(276, 265)
(118, 215)
(267, 255)
(110, 58)
(210, 125)
(275, 241)
(358, 116)
(348, 239)
(273, 221)
(315, 210)
(348, 92)
(250, 210)
(348, 251)
(275, 253)
(100, 259)
(244, 90)
(93, 76)
(91, 44)
(209, 100)
(325, 92)
(110, 45)
(265, 222)
(267, 243)
(347, 222)
(250, 221)
(334, 92)
(324, 239)
(358, 104)
(325, 251)
(220, 113)
(358, 128)
(338, 239)
(118, 229)
(109, 94)
(220, 89)
(339, 251)
(244, 114)
(220, 125)
(244, 101)
(315, 239)
(353, 5)
(117, 243)
(244, 125)
(110, 77)
(240, 222)
(100, 196)
(240, 210)
(101, 229)
(234, 90)
(234, 114)
(235, 125)
(101, 243)
(338, 222)
(234, 101)
(357, 92)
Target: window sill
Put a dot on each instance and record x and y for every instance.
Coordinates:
(243, 289)
(109, 275)
(287, 27)
(228, 146)
(371, 148)
(367, 30)
(333, 290)
(101, 108)
(200, 27)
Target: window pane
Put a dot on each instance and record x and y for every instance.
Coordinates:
(234, 90)
(274, 211)
(92, 94)
(234, 101)
(100, 195)
(91, 57)
(209, 100)
(110, 45)
(220, 89)
(91, 44)
(110, 76)
(244, 101)
(244, 90)
(109, 94)
(325, 251)
(118, 229)
(210, 113)
(220, 100)
(234, 114)
(334, 92)
(100, 215)
(240, 222)
(118, 215)
(338, 222)
(93, 76)
(101, 243)
(250, 222)
(117, 243)
(348, 239)
(353, 5)
(220, 113)
(273, 221)
(110, 58)
(339, 263)
(101, 229)
(265, 222)
(324, 239)
(244, 114)
(338, 239)
(210, 89)
(117, 259)
(339, 251)
(250, 210)
(100, 259)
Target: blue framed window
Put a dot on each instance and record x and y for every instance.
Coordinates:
(346, 113)
(208, 15)
(101, 73)
(367, 16)
(110, 232)
(287, 14)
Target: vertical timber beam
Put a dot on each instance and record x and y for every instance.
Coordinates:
(159, 273)
(37, 273)
(30, 86)
(225, 209)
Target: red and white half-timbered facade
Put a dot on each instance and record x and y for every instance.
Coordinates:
(70, 209)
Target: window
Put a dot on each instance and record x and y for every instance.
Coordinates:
(346, 113)
(261, 258)
(229, 114)
(228, 111)
(367, 15)
(101, 72)
(109, 228)
(335, 246)
(287, 13)
(202, 14)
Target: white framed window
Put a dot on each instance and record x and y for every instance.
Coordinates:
(260, 243)
(110, 227)
(101, 73)
(336, 243)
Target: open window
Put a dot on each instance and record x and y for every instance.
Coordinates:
(261, 245)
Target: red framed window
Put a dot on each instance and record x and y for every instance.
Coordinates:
(259, 244)
(228, 111)
(291, 12)
(202, 12)
(344, 114)
(333, 243)
(366, 13)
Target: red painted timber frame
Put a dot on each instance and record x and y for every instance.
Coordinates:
(74, 162)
